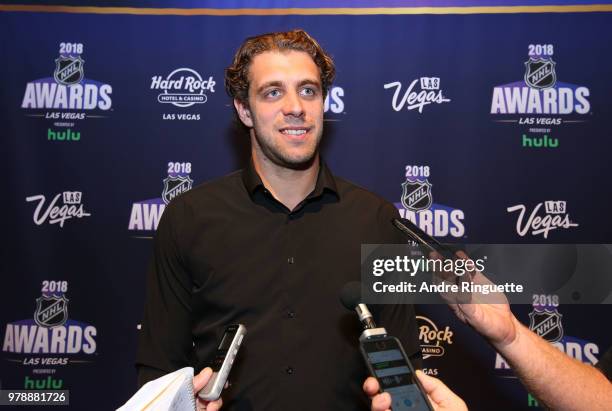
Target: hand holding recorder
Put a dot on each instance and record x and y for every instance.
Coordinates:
(199, 382)
(386, 360)
(211, 381)
(440, 396)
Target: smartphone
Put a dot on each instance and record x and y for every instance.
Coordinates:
(389, 364)
(223, 360)
(422, 238)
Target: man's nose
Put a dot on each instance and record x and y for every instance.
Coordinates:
(293, 105)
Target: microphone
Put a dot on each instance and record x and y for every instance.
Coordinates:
(350, 296)
(385, 357)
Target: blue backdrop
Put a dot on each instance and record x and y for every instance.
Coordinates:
(106, 114)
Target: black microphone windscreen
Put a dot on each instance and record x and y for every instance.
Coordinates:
(350, 296)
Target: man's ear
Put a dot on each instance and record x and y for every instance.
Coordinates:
(244, 113)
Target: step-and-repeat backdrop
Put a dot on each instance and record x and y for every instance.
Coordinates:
(501, 112)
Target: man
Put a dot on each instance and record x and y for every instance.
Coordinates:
(271, 247)
(558, 381)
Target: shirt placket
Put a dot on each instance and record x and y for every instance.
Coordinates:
(288, 314)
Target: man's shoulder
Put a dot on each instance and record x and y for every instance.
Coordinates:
(226, 187)
(351, 191)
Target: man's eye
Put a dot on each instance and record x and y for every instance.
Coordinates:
(273, 93)
(308, 91)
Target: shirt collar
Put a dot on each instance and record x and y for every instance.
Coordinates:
(325, 180)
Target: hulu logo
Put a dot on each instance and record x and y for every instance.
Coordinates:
(531, 401)
(66, 135)
(540, 142)
(44, 384)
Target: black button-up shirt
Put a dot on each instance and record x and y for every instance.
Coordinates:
(228, 252)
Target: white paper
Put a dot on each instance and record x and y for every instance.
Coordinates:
(172, 392)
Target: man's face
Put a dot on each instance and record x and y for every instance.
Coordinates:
(285, 110)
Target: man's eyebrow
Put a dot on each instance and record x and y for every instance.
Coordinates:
(269, 84)
(309, 82)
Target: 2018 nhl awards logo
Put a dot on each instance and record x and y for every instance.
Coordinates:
(416, 195)
(42, 346)
(546, 323)
(416, 204)
(68, 97)
(68, 70)
(146, 214)
(51, 311)
(175, 185)
(540, 73)
(539, 103)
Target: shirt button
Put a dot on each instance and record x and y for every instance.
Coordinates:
(289, 370)
(290, 314)
(290, 260)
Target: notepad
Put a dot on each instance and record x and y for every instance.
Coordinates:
(173, 392)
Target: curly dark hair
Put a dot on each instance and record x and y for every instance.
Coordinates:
(237, 74)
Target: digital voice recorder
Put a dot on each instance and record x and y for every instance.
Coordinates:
(223, 360)
(385, 357)
(389, 364)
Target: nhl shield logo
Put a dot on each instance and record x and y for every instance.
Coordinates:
(51, 311)
(68, 70)
(546, 324)
(540, 73)
(175, 185)
(416, 195)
